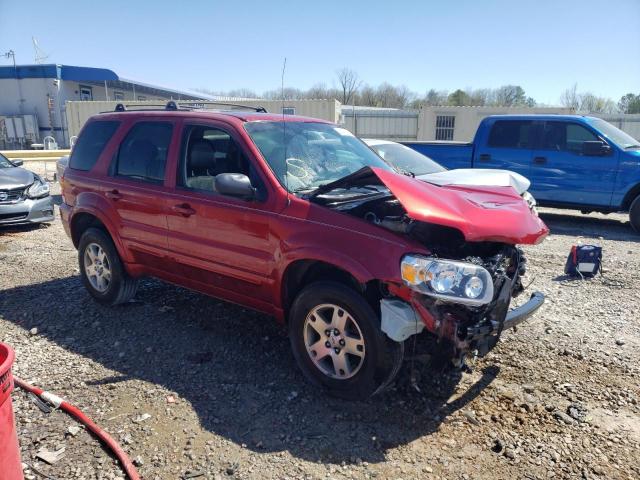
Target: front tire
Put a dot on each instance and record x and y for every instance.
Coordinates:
(337, 342)
(101, 269)
(634, 214)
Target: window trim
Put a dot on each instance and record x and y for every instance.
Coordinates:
(115, 159)
(262, 189)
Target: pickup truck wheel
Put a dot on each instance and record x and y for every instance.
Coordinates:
(634, 214)
(336, 340)
(101, 269)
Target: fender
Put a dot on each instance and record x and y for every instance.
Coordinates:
(96, 205)
(332, 257)
(630, 196)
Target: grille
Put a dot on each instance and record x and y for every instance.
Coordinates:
(11, 196)
(13, 216)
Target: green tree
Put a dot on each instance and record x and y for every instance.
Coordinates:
(459, 98)
(629, 103)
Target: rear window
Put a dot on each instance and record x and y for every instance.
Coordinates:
(90, 144)
(510, 134)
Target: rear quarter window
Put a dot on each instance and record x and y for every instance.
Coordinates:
(91, 143)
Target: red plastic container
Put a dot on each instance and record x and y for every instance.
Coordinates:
(10, 465)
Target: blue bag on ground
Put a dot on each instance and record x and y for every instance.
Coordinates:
(584, 261)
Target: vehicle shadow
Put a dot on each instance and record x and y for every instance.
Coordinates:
(21, 227)
(592, 227)
(235, 369)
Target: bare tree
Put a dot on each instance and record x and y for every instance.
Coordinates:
(349, 83)
(591, 103)
(319, 90)
(570, 98)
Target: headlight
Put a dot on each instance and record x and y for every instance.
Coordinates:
(458, 282)
(38, 189)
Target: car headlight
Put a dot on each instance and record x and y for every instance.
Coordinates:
(450, 280)
(38, 189)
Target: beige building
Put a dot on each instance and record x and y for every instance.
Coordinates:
(460, 123)
(79, 112)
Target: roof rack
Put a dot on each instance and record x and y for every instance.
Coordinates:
(172, 105)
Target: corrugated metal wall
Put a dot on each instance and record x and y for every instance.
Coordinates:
(79, 112)
(629, 123)
(382, 124)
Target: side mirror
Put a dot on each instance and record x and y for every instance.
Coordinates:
(235, 185)
(17, 162)
(595, 148)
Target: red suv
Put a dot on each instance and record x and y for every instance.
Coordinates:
(297, 218)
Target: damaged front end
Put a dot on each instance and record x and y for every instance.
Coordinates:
(469, 327)
(460, 290)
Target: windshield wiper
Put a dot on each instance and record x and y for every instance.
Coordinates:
(631, 146)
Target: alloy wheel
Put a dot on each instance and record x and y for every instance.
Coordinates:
(334, 341)
(97, 267)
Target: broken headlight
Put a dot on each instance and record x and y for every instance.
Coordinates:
(38, 189)
(448, 280)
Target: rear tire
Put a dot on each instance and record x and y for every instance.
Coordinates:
(634, 214)
(101, 269)
(338, 344)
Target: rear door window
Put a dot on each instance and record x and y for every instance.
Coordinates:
(91, 143)
(511, 134)
(143, 152)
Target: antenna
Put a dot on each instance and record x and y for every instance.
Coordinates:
(40, 56)
(284, 131)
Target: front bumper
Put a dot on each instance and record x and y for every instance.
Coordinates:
(521, 313)
(402, 319)
(27, 211)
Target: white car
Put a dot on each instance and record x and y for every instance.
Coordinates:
(406, 159)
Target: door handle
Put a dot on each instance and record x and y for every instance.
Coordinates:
(540, 160)
(183, 209)
(113, 195)
(485, 157)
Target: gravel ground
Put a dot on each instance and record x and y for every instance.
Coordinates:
(194, 387)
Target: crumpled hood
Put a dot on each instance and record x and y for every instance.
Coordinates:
(495, 214)
(15, 177)
(479, 177)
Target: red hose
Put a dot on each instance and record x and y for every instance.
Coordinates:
(127, 464)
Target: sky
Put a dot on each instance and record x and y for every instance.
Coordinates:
(545, 46)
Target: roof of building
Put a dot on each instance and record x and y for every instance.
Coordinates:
(88, 74)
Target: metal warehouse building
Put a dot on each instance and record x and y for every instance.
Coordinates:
(446, 123)
(33, 99)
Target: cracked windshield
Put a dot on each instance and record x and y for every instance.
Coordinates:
(305, 156)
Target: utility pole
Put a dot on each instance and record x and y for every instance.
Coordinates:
(11, 54)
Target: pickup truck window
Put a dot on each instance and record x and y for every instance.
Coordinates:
(563, 136)
(143, 152)
(207, 152)
(511, 134)
(90, 144)
(617, 136)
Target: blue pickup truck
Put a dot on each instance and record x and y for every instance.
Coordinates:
(572, 161)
